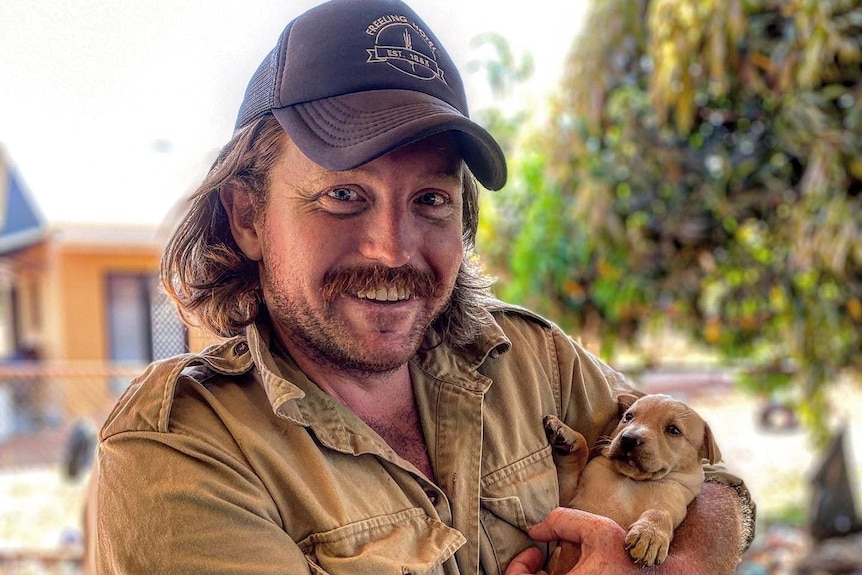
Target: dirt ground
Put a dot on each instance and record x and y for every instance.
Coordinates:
(777, 465)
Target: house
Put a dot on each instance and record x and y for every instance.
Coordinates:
(81, 312)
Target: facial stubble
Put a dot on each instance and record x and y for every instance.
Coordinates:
(317, 331)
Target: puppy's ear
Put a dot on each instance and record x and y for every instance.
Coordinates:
(709, 450)
(625, 401)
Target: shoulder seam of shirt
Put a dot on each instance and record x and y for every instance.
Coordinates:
(496, 306)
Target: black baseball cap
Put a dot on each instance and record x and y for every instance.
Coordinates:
(351, 80)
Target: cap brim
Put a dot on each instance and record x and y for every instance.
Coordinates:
(343, 132)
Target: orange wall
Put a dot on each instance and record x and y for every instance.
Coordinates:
(78, 325)
(82, 280)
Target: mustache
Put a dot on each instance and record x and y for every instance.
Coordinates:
(351, 281)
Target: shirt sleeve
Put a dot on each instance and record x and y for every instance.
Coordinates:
(163, 498)
(717, 473)
(588, 388)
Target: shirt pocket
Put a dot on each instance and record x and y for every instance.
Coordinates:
(408, 542)
(512, 499)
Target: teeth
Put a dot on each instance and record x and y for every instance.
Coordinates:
(384, 294)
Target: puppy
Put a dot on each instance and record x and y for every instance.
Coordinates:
(643, 477)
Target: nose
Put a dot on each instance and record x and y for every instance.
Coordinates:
(629, 442)
(389, 238)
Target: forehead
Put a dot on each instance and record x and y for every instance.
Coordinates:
(660, 408)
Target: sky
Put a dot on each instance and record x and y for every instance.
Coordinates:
(113, 110)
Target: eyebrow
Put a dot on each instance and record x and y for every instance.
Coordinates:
(448, 177)
(442, 176)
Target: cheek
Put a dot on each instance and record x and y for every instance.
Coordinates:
(675, 450)
(298, 247)
(444, 250)
(668, 449)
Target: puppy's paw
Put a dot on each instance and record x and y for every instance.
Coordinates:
(648, 542)
(562, 438)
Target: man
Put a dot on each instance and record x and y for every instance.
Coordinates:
(373, 409)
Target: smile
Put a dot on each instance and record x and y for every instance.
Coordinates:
(384, 294)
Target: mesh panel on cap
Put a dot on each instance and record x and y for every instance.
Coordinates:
(260, 92)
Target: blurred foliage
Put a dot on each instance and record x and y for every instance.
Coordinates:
(790, 515)
(505, 73)
(703, 168)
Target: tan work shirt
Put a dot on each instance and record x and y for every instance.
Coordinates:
(234, 462)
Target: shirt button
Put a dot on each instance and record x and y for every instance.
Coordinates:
(432, 497)
(241, 348)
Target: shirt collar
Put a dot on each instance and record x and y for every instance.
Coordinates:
(285, 384)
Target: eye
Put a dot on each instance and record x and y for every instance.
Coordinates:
(342, 201)
(343, 194)
(437, 205)
(628, 416)
(432, 199)
(673, 430)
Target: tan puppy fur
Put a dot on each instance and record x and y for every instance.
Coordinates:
(643, 477)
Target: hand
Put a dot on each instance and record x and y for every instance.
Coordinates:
(527, 562)
(707, 542)
(602, 544)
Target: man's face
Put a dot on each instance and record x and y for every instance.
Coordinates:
(357, 264)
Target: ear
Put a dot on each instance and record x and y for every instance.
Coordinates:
(241, 215)
(625, 401)
(709, 450)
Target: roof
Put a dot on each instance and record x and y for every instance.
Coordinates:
(95, 236)
(21, 221)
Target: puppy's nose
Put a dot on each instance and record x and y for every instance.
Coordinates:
(629, 442)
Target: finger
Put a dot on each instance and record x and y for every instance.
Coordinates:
(571, 525)
(527, 562)
(561, 523)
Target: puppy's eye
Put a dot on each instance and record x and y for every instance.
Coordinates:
(628, 416)
(673, 430)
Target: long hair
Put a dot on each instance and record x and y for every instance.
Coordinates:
(217, 287)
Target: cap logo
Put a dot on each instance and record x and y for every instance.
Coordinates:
(405, 46)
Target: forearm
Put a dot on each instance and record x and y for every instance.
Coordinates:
(710, 539)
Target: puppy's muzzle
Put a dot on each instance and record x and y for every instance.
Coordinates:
(629, 442)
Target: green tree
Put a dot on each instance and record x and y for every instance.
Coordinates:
(704, 166)
(505, 72)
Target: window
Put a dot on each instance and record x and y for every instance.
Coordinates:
(142, 323)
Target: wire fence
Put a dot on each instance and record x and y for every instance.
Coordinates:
(50, 413)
